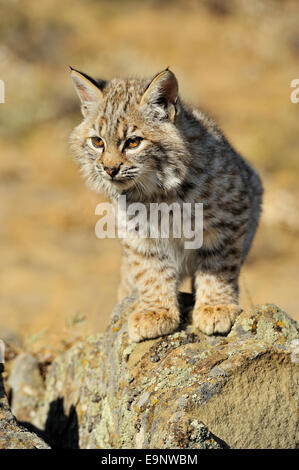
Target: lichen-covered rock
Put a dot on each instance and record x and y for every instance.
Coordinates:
(12, 435)
(184, 390)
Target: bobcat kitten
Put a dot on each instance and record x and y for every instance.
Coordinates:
(140, 140)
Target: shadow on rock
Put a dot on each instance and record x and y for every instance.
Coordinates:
(61, 431)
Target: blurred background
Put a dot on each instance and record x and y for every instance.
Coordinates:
(235, 59)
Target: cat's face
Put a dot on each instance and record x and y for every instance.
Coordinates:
(128, 139)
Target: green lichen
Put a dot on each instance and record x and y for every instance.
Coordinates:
(265, 330)
(205, 354)
(102, 431)
(288, 326)
(247, 324)
(178, 377)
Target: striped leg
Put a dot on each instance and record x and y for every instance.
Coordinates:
(216, 287)
(216, 306)
(157, 311)
(216, 280)
(127, 284)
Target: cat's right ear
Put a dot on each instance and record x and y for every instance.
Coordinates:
(162, 91)
(88, 90)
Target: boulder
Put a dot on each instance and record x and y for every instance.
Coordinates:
(12, 434)
(184, 390)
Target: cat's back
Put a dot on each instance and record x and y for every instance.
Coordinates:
(214, 155)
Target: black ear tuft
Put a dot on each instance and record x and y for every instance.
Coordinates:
(101, 83)
(162, 89)
(98, 82)
(88, 89)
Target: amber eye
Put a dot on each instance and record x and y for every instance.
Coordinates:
(97, 142)
(133, 142)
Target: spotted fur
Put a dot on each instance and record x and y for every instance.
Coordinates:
(182, 157)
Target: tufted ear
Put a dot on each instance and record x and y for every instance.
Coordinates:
(162, 90)
(88, 89)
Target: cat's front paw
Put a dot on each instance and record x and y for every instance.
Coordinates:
(212, 319)
(146, 324)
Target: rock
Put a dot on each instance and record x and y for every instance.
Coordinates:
(27, 387)
(11, 337)
(12, 435)
(184, 390)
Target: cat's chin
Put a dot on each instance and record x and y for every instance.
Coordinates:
(120, 184)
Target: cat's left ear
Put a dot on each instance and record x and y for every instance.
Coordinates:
(162, 91)
(88, 90)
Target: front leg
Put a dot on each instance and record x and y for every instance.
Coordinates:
(216, 306)
(216, 280)
(216, 288)
(127, 283)
(156, 312)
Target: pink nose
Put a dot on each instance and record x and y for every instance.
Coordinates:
(111, 170)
